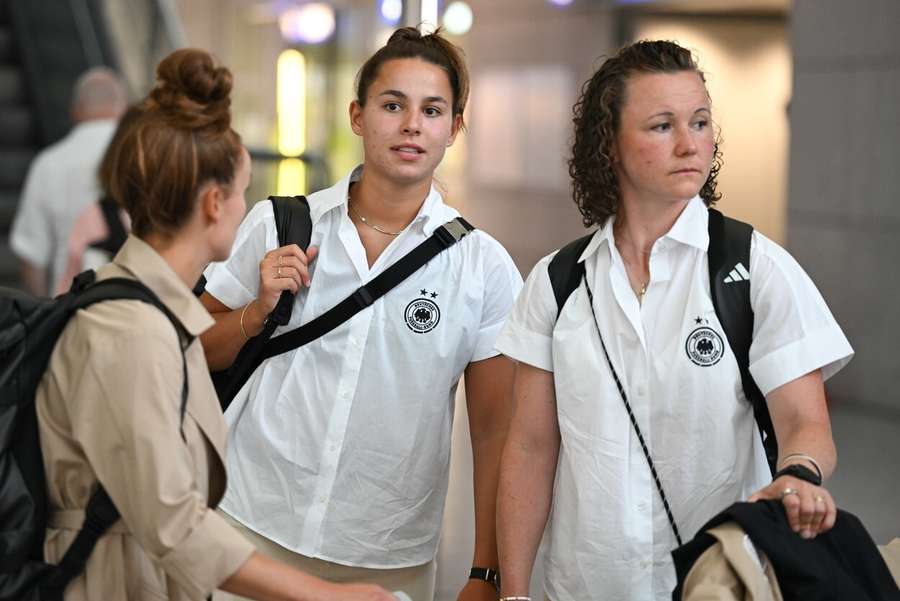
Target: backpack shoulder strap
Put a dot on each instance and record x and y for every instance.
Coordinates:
(729, 282)
(566, 271)
(294, 225)
(128, 289)
(116, 233)
(292, 220)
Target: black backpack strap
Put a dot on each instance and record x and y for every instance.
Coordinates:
(294, 226)
(128, 289)
(99, 515)
(729, 281)
(566, 271)
(443, 238)
(117, 234)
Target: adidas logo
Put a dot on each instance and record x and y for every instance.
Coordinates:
(738, 274)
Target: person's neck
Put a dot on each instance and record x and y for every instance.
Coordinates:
(639, 225)
(180, 252)
(388, 204)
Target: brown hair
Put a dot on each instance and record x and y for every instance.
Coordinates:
(596, 119)
(180, 140)
(408, 42)
(111, 154)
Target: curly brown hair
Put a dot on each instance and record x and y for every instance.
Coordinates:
(596, 118)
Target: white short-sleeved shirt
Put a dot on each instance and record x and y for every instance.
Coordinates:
(340, 450)
(61, 182)
(609, 537)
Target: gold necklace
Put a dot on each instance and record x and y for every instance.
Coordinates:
(371, 225)
(642, 293)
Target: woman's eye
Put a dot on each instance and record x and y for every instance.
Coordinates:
(701, 124)
(432, 111)
(661, 127)
(392, 107)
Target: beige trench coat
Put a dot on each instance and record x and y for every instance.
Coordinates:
(108, 411)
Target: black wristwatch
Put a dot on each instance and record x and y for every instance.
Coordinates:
(488, 575)
(800, 472)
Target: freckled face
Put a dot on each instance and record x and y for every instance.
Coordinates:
(407, 122)
(665, 142)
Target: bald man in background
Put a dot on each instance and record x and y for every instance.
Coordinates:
(62, 180)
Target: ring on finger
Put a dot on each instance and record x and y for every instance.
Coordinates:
(281, 259)
(278, 272)
(789, 491)
(820, 499)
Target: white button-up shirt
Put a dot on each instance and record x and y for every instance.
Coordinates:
(340, 450)
(61, 182)
(609, 537)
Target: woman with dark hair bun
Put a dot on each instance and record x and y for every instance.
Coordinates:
(339, 450)
(631, 414)
(109, 405)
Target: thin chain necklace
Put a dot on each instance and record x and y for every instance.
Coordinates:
(366, 222)
(645, 283)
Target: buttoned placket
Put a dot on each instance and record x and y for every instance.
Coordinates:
(636, 378)
(348, 379)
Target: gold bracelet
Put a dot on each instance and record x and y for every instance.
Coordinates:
(243, 331)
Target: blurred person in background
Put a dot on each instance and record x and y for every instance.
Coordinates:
(110, 406)
(62, 181)
(644, 165)
(102, 226)
(339, 450)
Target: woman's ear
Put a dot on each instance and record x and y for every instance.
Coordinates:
(454, 129)
(211, 202)
(356, 111)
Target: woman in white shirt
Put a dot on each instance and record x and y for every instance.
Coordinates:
(644, 167)
(339, 450)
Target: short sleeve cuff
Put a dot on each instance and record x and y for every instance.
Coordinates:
(210, 554)
(25, 250)
(226, 288)
(526, 346)
(484, 347)
(826, 349)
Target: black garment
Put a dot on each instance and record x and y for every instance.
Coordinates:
(842, 564)
(117, 232)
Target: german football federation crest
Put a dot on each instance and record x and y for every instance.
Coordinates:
(423, 314)
(704, 346)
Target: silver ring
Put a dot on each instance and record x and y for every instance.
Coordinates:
(789, 491)
(280, 259)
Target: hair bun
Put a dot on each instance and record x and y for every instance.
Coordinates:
(192, 91)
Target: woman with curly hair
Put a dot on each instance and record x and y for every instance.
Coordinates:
(625, 477)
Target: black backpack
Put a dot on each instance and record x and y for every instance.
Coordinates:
(729, 262)
(29, 329)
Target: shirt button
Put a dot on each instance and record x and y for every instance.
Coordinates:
(321, 500)
(641, 390)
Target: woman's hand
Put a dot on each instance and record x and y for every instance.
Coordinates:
(810, 509)
(285, 268)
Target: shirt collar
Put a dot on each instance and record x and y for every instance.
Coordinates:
(336, 196)
(690, 228)
(140, 260)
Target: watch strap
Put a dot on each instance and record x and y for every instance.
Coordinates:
(800, 472)
(487, 574)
